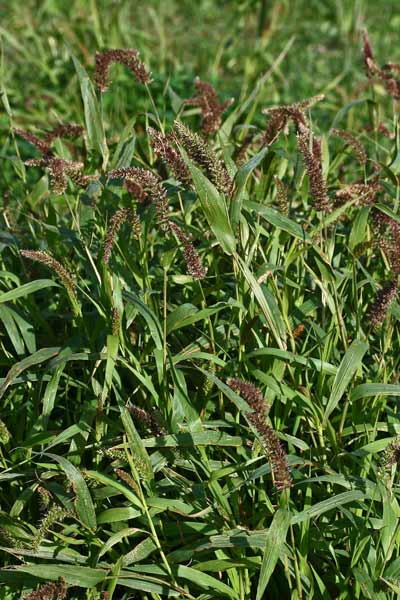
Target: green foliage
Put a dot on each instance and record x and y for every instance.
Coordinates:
(129, 466)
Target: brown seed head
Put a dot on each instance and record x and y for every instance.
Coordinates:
(201, 153)
(147, 185)
(276, 454)
(164, 149)
(128, 57)
(211, 109)
(312, 159)
(193, 263)
(49, 591)
(381, 305)
(53, 264)
(353, 142)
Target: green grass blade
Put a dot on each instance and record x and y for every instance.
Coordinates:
(84, 577)
(266, 302)
(241, 179)
(30, 361)
(366, 390)
(275, 542)
(83, 500)
(347, 369)
(136, 444)
(214, 207)
(26, 289)
(93, 118)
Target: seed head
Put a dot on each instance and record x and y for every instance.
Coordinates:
(70, 130)
(387, 234)
(381, 305)
(364, 192)
(312, 159)
(241, 151)
(5, 435)
(367, 52)
(276, 454)
(147, 185)
(164, 149)
(51, 262)
(193, 263)
(49, 591)
(59, 169)
(128, 479)
(280, 116)
(116, 222)
(65, 276)
(124, 56)
(392, 454)
(282, 195)
(357, 146)
(149, 419)
(55, 514)
(41, 145)
(211, 109)
(201, 153)
(391, 84)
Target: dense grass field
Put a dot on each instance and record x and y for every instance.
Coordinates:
(199, 325)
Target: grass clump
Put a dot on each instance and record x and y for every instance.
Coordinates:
(207, 407)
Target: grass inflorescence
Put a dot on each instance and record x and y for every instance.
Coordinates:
(199, 394)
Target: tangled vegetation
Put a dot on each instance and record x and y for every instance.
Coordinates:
(200, 343)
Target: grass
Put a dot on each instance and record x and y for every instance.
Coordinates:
(135, 461)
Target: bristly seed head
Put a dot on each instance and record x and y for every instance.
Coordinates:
(365, 193)
(124, 56)
(357, 146)
(42, 145)
(147, 185)
(53, 264)
(49, 591)
(164, 149)
(149, 419)
(59, 169)
(378, 310)
(70, 130)
(392, 454)
(201, 153)
(193, 263)
(312, 159)
(211, 109)
(276, 454)
(116, 222)
(282, 195)
(391, 84)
